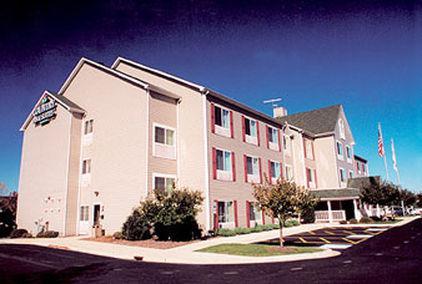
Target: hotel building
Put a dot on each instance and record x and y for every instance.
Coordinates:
(111, 135)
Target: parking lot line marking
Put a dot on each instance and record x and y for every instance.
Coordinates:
(328, 232)
(348, 232)
(312, 233)
(349, 241)
(325, 240)
(302, 240)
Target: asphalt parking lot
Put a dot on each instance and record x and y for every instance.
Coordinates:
(333, 237)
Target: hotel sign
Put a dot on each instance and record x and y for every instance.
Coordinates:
(45, 112)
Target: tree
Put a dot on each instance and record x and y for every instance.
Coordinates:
(382, 193)
(283, 200)
(8, 206)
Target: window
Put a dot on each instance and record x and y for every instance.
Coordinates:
(350, 174)
(275, 170)
(84, 213)
(342, 175)
(252, 166)
(309, 152)
(222, 117)
(164, 136)
(86, 166)
(165, 183)
(255, 213)
(341, 129)
(223, 160)
(272, 136)
(286, 144)
(340, 150)
(250, 127)
(89, 126)
(310, 177)
(289, 172)
(225, 212)
(349, 153)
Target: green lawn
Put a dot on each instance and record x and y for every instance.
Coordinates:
(257, 249)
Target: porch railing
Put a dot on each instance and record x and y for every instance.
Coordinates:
(324, 216)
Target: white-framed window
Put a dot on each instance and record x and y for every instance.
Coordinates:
(252, 169)
(272, 135)
(251, 130)
(222, 121)
(309, 151)
(225, 213)
(275, 170)
(84, 213)
(164, 142)
(349, 154)
(255, 214)
(339, 147)
(351, 174)
(163, 182)
(289, 172)
(86, 166)
(310, 176)
(341, 129)
(343, 177)
(224, 164)
(88, 126)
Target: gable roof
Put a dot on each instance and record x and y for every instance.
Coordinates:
(318, 121)
(103, 68)
(63, 101)
(202, 90)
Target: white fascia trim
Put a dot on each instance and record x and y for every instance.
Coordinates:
(84, 60)
(206, 164)
(152, 70)
(147, 119)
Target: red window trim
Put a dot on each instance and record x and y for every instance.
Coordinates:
(231, 125)
(233, 166)
(214, 162)
(267, 129)
(269, 171)
(243, 129)
(257, 133)
(260, 170)
(236, 223)
(212, 118)
(245, 167)
(248, 212)
(216, 223)
(279, 141)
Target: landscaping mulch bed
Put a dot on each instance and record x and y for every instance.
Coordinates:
(151, 243)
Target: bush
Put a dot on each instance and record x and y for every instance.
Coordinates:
(242, 231)
(308, 215)
(118, 236)
(18, 233)
(171, 215)
(48, 234)
(27, 235)
(366, 220)
(226, 232)
(136, 227)
(353, 221)
(343, 222)
(291, 223)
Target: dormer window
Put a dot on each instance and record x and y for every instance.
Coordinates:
(341, 129)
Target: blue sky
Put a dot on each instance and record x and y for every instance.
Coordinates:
(311, 53)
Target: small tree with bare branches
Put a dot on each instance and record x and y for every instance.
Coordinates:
(283, 200)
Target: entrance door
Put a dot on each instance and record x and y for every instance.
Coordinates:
(84, 228)
(97, 214)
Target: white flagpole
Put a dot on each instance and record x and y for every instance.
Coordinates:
(385, 156)
(395, 167)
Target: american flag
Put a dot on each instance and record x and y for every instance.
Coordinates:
(381, 151)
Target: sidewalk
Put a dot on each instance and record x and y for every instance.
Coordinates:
(186, 254)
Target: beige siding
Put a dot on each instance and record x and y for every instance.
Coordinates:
(191, 140)
(44, 174)
(326, 162)
(119, 159)
(163, 111)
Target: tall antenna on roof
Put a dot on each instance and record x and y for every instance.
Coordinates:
(273, 102)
